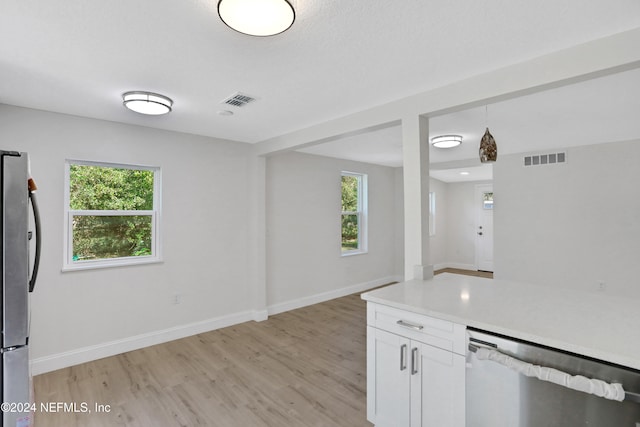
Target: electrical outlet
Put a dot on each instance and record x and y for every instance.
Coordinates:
(602, 286)
(176, 299)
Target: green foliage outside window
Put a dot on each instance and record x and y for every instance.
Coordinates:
(350, 187)
(113, 235)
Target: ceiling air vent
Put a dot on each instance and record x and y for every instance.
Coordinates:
(238, 100)
(545, 159)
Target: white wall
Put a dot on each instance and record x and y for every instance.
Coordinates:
(461, 230)
(81, 315)
(399, 221)
(453, 245)
(439, 241)
(571, 225)
(460, 249)
(304, 262)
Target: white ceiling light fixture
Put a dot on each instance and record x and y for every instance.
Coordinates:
(257, 17)
(147, 103)
(446, 141)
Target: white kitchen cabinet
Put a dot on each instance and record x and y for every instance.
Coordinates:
(388, 400)
(414, 376)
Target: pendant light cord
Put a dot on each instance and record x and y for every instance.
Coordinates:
(486, 115)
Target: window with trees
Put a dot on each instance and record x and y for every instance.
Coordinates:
(112, 214)
(354, 213)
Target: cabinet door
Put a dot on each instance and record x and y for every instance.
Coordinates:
(388, 379)
(438, 388)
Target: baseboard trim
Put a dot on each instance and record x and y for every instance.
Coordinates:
(57, 361)
(455, 265)
(260, 315)
(441, 266)
(326, 296)
(53, 362)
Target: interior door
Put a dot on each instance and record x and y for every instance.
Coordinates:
(484, 227)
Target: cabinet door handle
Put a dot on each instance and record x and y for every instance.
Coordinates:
(414, 360)
(409, 325)
(403, 357)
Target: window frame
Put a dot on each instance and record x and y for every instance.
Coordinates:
(155, 214)
(362, 213)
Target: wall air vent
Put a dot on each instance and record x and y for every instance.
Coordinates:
(545, 159)
(238, 100)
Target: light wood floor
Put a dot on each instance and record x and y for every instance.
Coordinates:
(306, 367)
(487, 274)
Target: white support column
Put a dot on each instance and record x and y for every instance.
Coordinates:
(415, 147)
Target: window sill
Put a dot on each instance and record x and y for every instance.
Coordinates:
(351, 253)
(121, 262)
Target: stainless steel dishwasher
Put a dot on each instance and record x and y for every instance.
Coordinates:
(504, 387)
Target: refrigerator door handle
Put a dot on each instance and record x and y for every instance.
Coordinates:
(36, 217)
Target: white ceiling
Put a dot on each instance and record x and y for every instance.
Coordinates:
(340, 57)
(591, 112)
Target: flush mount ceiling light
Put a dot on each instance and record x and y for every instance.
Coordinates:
(446, 141)
(257, 17)
(147, 102)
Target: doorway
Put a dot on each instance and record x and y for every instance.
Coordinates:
(484, 227)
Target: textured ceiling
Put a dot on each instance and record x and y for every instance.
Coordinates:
(79, 56)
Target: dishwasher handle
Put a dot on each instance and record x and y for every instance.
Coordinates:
(613, 391)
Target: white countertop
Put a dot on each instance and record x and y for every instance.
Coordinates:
(589, 323)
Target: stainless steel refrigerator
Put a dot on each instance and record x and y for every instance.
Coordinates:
(17, 201)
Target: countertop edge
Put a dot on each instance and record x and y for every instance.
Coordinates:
(380, 296)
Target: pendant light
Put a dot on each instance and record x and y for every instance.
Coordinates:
(257, 17)
(488, 149)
